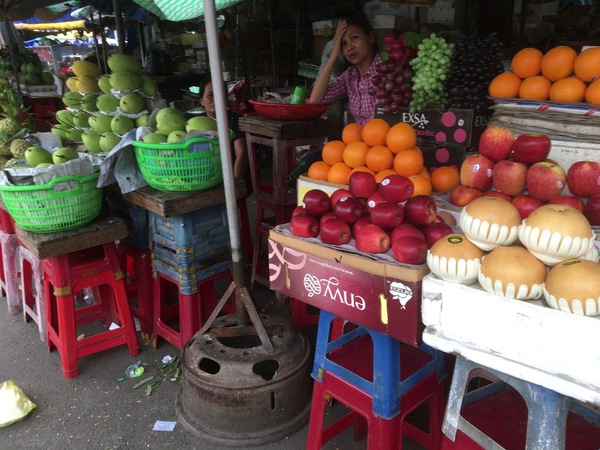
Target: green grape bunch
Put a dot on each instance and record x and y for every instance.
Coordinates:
(430, 68)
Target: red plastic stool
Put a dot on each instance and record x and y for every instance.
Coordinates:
(303, 315)
(10, 271)
(32, 289)
(382, 434)
(139, 283)
(187, 310)
(280, 214)
(66, 275)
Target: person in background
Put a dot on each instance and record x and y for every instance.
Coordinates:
(238, 142)
(355, 40)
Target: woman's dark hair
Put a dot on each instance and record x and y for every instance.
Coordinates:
(358, 19)
(204, 81)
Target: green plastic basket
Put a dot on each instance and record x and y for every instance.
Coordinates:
(62, 204)
(194, 165)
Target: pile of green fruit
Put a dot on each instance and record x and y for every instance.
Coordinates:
(170, 125)
(31, 70)
(102, 108)
(39, 157)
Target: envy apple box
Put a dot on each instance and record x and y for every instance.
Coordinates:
(383, 296)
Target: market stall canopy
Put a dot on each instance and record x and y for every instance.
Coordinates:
(178, 10)
(45, 10)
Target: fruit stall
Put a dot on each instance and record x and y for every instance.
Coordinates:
(442, 257)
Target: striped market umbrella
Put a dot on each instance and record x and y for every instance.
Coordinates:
(178, 10)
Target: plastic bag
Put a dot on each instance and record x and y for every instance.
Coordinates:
(15, 404)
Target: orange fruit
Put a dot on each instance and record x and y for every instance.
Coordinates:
(379, 158)
(401, 137)
(375, 131)
(558, 62)
(332, 152)
(318, 170)
(362, 169)
(339, 173)
(505, 85)
(445, 178)
(587, 64)
(424, 172)
(355, 154)
(422, 185)
(570, 89)
(352, 132)
(379, 176)
(409, 162)
(526, 62)
(535, 88)
(592, 93)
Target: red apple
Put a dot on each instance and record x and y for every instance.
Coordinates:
(337, 194)
(316, 202)
(420, 210)
(476, 171)
(325, 217)
(583, 178)
(435, 231)
(359, 224)
(509, 177)
(349, 209)
(362, 184)
(569, 200)
(387, 215)
(335, 232)
(304, 225)
(396, 188)
(532, 148)
(463, 195)
(545, 180)
(406, 229)
(374, 199)
(526, 205)
(410, 250)
(298, 210)
(372, 239)
(497, 194)
(496, 142)
(592, 209)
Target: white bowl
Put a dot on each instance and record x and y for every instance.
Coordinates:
(522, 292)
(463, 271)
(485, 235)
(552, 248)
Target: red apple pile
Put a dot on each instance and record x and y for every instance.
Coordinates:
(375, 218)
(518, 170)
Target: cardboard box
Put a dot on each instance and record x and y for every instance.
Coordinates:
(305, 184)
(457, 127)
(383, 296)
(443, 155)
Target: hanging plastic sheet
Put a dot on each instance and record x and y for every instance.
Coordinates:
(177, 10)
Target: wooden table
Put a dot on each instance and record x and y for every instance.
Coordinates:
(167, 204)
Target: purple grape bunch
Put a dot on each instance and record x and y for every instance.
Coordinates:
(392, 84)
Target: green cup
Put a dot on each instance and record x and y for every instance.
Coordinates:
(299, 96)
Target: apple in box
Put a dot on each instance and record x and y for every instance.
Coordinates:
(335, 231)
(583, 178)
(435, 231)
(304, 225)
(526, 204)
(374, 199)
(361, 184)
(545, 180)
(360, 223)
(349, 209)
(532, 148)
(497, 194)
(420, 210)
(496, 143)
(396, 188)
(509, 177)
(476, 171)
(410, 250)
(592, 209)
(406, 229)
(569, 200)
(337, 194)
(463, 195)
(316, 202)
(372, 239)
(387, 215)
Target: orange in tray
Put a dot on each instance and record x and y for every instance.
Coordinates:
(355, 154)
(409, 162)
(587, 64)
(352, 132)
(570, 89)
(506, 85)
(535, 88)
(318, 170)
(527, 62)
(379, 158)
(592, 93)
(375, 131)
(333, 152)
(422, 185)
(445, 178)
(339, 173)
(401, 136)
(558, 62)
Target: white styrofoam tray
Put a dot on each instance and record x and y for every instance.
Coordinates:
(525, 339)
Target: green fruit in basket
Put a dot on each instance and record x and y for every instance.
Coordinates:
(88, 102)
(154, 138)
(104, 83)
(132, 103)
(64, 154)
(81, 119)
(108, 141)
(37, 155)
(169, 119)
(148, 86)
(101, 123)
(121, 124)
(74, 134)
(91, 141)
(18, 147)
(201, 123)
(72, 99)
(43, 165)
(60, 130)
(142, 121)
(107, 103)
(125, 81)
(120, 62)
(176, 136)
(65, 117)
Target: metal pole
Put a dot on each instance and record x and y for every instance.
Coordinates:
(214, 57)
(119, 25)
